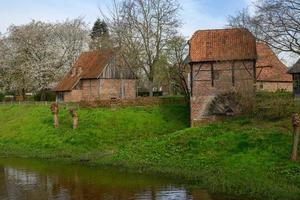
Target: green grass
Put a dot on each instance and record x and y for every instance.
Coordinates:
(27, 130)
(246, 156)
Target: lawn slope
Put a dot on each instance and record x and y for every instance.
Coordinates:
(247, 156)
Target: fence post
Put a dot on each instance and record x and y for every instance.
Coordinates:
(75, 117)
(54, 110)
(295, 123)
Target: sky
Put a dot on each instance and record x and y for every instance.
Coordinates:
(196, 14)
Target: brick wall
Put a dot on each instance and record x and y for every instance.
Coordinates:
(204, 90)
(139, 101)
(274, 86)
(103, 89)
(73, 96)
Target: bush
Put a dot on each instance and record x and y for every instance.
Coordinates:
(147, 94)
(1, 96)
(49, 96)
(9, 98)
(275, 105)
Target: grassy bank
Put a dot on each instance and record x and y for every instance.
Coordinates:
(247, 156)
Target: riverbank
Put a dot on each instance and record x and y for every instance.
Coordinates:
(246, 156)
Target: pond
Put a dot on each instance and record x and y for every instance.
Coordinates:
(38, 180)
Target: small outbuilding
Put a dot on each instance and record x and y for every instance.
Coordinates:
(295, 72)
(97, 75)
(271, 73)
(222, 62)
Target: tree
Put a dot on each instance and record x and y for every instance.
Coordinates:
(38, 54)
(177, 54)
(142, 30)
(276, 22)
(100, 35)
(99, 29)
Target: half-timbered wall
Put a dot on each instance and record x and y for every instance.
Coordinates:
(102, 89)
(212, 78)
(113, 71)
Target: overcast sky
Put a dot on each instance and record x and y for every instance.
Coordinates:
(196, 14)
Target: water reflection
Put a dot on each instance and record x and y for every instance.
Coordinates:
(36, 180)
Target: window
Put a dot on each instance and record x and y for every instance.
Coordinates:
(60, 97)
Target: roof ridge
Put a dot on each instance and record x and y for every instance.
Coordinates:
(218, 29)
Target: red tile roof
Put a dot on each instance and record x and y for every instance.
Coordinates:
(88, 66)
(269, 67)
(222, 44)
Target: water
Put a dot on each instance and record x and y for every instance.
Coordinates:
(38, 180)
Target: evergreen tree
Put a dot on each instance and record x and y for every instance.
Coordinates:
(99, 29)
(100, 35)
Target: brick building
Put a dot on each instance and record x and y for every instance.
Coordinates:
(295, 72)
(271, 73)
(97, 75)
(222, 61)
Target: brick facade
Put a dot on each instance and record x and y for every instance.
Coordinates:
(271, 73)
(222, 69)
(274, 86)
(97, 75)
(102, 89)
(213, 78)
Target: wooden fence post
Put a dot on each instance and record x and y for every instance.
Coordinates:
(54, 110)
(295, 123)
(75, 117)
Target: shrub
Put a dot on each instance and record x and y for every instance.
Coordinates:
(9, 98)
(275, 105)
(48, 96)
(147, 94)
(1, 96)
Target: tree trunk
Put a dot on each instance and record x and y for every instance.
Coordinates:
(23, 94)
(150, 87)
(43, 95)
(295, 122)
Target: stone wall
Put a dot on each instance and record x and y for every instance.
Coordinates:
(274, 86)
(237, 77)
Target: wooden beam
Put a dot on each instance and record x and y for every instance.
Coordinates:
(232, 73)
(192, 79)
(212, 74)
